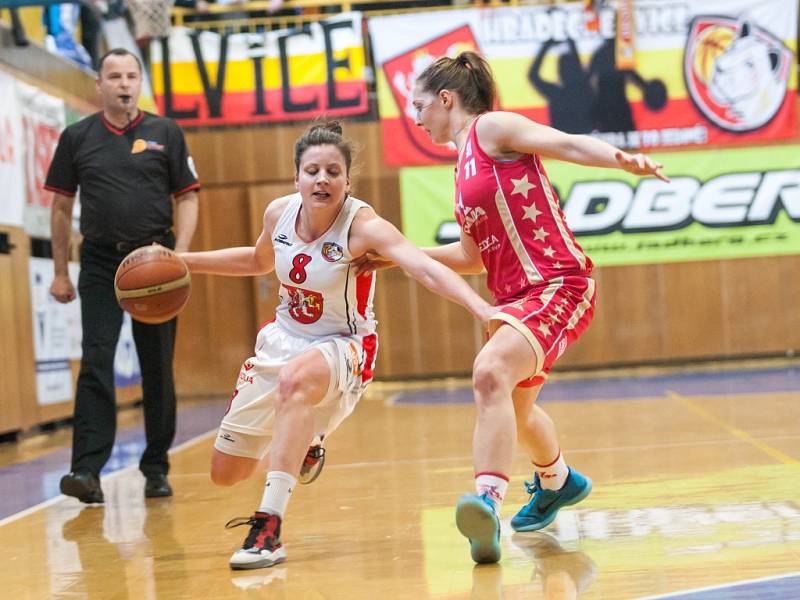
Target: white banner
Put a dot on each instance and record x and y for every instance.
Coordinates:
(126, 361)
(12, 199)
(43, 119)
(56, 333)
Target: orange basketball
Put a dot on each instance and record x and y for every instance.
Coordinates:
(153, 284)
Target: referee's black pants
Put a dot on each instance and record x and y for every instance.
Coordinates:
(95, 418)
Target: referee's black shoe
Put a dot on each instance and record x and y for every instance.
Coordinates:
(157, 486)
(83, 485)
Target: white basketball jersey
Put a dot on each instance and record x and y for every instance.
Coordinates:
(319, 294)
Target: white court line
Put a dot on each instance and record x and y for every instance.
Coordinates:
(720, 586)
(56, 499)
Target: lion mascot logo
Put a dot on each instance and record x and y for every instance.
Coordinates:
(736, 72)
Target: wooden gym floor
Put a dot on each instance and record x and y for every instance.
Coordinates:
(696, 478)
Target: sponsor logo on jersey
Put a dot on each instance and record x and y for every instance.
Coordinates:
(332, 251)
(305, 306)
(489, 243)
(282, 239)
(244, 376)
(140, 145)
(472, 217)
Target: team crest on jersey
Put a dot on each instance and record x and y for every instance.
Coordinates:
(305, 306)
(332, 251)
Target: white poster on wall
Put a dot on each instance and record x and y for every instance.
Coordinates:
(12, 198)
(56, 333)
(126, 361)
(42, 119)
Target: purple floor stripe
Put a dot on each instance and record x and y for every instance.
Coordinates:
(620, 388)
(29, 483)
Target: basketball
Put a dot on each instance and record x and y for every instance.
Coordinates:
(152, 283)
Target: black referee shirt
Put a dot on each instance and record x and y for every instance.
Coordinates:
(125, 176)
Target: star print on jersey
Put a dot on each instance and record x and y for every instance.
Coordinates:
(540, 234)
(521, 186)
(549, 252)
(531, 212)
(544, 328)
(557, 265)
(559, 309)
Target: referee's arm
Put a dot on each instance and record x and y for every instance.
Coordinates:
(60, 231)
(186, 208)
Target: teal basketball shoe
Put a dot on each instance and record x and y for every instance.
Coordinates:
(544, 504)
(476, 519)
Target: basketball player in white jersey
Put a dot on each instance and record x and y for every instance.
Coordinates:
(315, 359)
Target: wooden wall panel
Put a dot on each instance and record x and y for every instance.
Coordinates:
(215, 331)
(265, 288)
(15, 367)
(693, 323)
(789, 323)
(758, 301)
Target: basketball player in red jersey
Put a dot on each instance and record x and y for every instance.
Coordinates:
(512, 227)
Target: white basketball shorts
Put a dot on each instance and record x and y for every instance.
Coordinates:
(246, 428)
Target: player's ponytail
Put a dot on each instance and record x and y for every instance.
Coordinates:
(468, 75)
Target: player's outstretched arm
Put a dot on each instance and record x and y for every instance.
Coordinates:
(241, 261)
(370, 233)
(508, 132)
(462, 257)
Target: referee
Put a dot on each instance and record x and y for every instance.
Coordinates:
(136, 181)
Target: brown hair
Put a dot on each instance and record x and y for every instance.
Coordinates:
(468, 75)
(322, 133)
(117, 52)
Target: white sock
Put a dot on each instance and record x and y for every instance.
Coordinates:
(495, 485)
(554, 475)
(277, 490)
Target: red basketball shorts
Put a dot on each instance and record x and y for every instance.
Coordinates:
(551, 316)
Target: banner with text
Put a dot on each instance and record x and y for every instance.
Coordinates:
(42, 121)
(56, 333)
(721, 204)
(204, 78)
(12, 166)
(713, 72)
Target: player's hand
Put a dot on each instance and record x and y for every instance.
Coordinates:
(639, 164)
(370, 262)
(486, 312)
(62, 289)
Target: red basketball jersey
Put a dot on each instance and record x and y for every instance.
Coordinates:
(511, 211)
